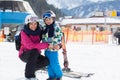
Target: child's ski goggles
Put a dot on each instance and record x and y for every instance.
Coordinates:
(46, 15)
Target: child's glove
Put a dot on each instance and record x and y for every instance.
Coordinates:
(56, 47)
(50, 46)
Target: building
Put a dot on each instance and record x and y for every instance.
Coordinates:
(91, 23)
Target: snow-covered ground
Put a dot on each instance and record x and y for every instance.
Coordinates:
(103, 60)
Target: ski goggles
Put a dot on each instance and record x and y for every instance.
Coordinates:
(46, 15)
(33, 19)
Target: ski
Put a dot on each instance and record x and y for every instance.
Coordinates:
(70, 74)
(66, 70)
(74, 74)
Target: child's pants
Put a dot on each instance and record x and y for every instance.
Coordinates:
(54, 69)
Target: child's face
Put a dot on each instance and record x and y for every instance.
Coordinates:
(49, 21)
(33, 26)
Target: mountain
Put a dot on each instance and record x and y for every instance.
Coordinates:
(68, 4)
(89, 9)
(85, 8)
(40, 6)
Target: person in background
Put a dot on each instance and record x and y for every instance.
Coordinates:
(52, 34)
(117, 35)
(31, 46)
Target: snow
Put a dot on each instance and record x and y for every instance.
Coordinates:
(102, 59)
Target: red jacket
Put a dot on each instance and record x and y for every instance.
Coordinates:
(31, 42)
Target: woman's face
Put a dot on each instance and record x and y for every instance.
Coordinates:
(33, 26)
(49, 21)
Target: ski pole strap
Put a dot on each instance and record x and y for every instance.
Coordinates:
(60, 45)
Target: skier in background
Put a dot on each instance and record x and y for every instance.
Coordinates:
(52, 34)
(31, 47)
(117, 35)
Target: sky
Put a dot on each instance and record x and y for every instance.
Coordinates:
(100, 59)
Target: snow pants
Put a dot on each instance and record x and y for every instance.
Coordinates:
(34, 61)
(54, 69)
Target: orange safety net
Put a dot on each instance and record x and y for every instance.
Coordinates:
(86, 36)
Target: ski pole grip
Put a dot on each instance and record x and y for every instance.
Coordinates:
(65, 63)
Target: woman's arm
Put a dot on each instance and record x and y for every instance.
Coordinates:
(27, 42)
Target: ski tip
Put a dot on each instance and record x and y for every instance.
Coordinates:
(90, 74)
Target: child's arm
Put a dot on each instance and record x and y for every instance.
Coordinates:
(57, 36)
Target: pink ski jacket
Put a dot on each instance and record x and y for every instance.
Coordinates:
(31, 42)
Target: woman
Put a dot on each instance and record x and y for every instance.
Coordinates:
(31, 47)
(53, 35)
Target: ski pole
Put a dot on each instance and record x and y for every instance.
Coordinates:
(66, 63)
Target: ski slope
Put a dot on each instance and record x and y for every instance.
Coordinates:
(103, 60)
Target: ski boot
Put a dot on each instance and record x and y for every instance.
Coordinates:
(51, 79)
(31, 79)
(59, 79)
(54, 79)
